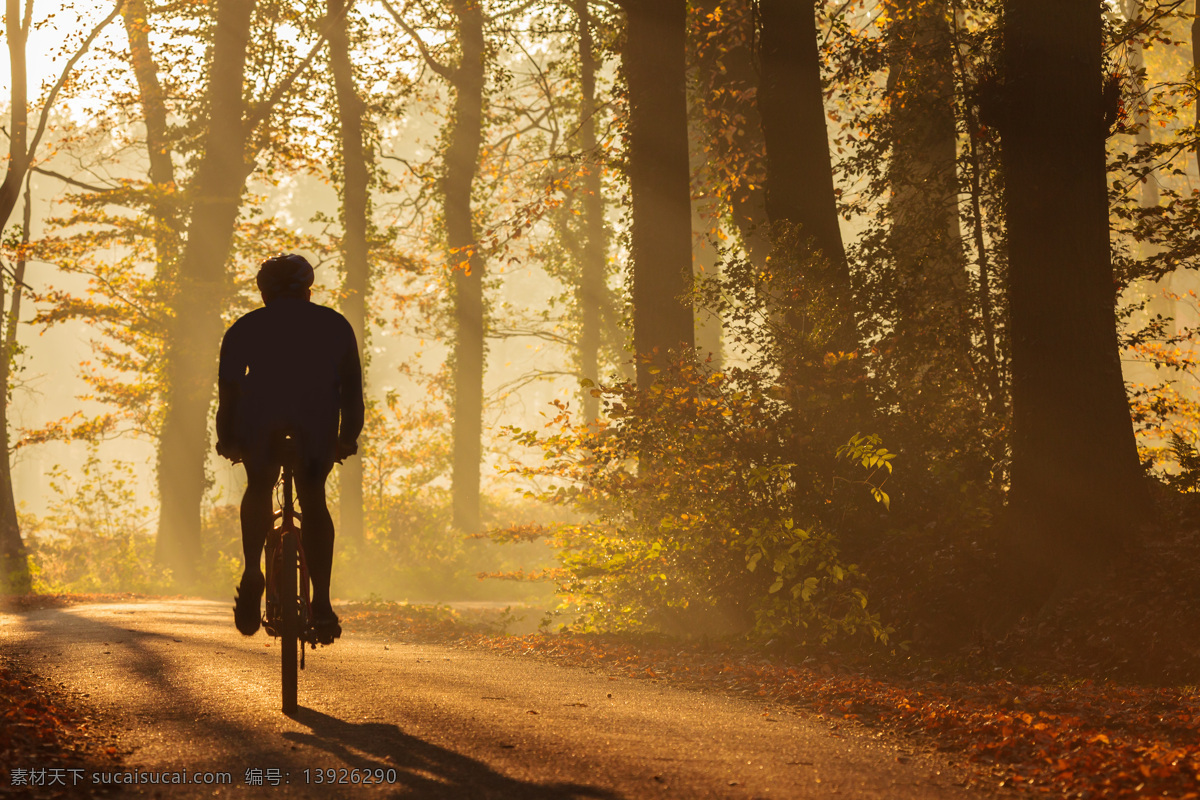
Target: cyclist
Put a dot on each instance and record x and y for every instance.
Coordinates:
(291, 366)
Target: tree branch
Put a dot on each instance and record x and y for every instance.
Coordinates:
(66, 73)
(263, 109)
(434, 64)
(72, 181)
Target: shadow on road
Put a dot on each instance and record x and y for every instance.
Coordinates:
(424, 769)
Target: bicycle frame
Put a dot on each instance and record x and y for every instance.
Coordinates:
(288, 609)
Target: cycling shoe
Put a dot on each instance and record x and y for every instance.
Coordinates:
(325, 627)
(246, 604)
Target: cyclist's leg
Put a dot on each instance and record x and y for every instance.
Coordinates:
(257, 510)
(256, 524)
(318, 531)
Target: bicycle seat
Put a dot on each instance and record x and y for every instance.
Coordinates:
(285, 447)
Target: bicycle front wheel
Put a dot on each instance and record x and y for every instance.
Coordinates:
(289, 618)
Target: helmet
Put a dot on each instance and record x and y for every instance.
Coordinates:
(284, 274)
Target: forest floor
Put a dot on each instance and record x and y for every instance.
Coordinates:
(1079, 738)
(1042, 732)
(42, 724)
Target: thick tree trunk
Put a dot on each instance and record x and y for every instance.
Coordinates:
(461, 167)
(1077, 488)
(799, 182)
(201, 290)
(592, 291)
(661, 231)
(355, 221)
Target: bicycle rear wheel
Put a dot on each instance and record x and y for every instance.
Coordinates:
(290, 618)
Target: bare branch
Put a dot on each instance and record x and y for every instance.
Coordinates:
(263, 109)
(66, 73)
(72, 181)
(434, 64)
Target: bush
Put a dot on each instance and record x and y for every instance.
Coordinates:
(714, 499)
(95, 537)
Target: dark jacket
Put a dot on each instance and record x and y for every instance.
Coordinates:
(291, 364)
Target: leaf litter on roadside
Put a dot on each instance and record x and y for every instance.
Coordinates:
(1079, 739)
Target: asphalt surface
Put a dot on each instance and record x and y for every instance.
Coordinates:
(183, 691)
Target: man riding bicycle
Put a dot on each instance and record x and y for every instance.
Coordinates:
(289, 367)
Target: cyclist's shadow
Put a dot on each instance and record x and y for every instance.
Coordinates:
(423, 769)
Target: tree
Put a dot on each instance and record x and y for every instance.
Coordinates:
(356, 215)
(202, 287)
(22, 152)
(200, 292)
(460, 166)
(660, 248)
(799, 179)
(1077, 489)
(592, 291)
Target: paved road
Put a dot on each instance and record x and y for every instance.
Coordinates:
(184, 691)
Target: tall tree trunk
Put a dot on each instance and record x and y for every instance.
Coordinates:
(17, 34)
(1077, 487)
(355, 223)
(168, 229)
(592, 291)
(800, 187)
(461, 166)
(200, 293)
(654, 65)
(14, 565)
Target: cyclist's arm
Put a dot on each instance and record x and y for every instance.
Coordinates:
(350, 389)
(231, 368)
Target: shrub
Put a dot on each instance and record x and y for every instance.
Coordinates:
(713, 500)
(95, 536)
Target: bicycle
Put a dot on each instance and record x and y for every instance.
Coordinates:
(288, 613)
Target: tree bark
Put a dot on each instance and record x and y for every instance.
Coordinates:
(356, 207)
(592, 291)
(168, 229)
(654, 65)
(1077, 487)
(200, 293)
(14, 564)
(461, 167)
(799, 181)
